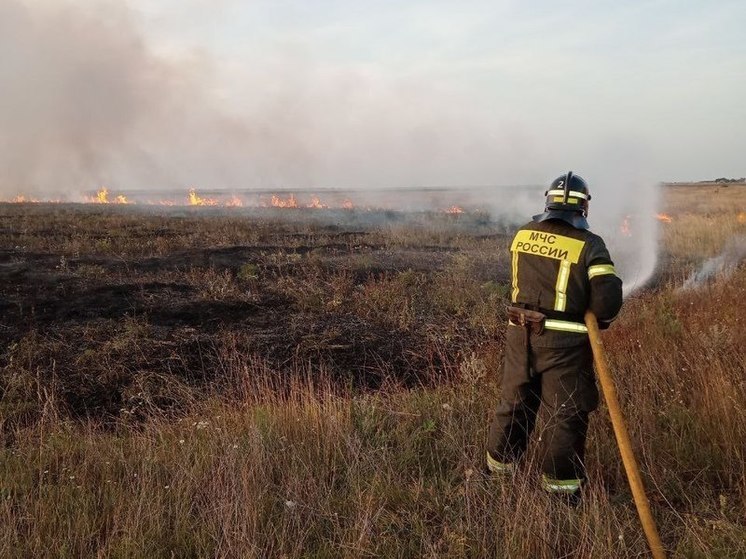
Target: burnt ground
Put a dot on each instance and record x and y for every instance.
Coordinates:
(111, 315)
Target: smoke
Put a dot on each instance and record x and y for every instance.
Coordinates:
(88, 101)
(624, 207)
(75, 88)
(722, 265)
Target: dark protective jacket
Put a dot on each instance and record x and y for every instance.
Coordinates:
(562, 272)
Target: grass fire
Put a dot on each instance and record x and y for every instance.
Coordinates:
(199, 382)
(369, 200)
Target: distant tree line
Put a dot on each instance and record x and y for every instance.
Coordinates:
(724, 180)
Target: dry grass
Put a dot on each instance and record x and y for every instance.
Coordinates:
(704, 218)
(256, 462)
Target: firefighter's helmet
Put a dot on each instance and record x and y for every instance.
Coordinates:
(567, 199)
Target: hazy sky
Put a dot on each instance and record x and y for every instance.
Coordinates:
(666, 79)
(369, 93)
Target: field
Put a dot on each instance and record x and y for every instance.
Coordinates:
(190, 383)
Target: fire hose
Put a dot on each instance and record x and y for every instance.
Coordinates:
(622, 438)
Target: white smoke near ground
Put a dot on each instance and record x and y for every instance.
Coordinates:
(88, 102)
(721, 266)
(623, 209)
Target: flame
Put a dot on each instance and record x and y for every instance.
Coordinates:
(624, 227)
(21, 199)
(195, 200)
(316, 203)
(290, 202)
(741, 217)
(283, 200)
(102, 197)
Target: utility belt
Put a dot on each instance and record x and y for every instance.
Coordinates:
(537, 320)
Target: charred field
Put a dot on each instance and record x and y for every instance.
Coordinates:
(180, 382)
(121, 302)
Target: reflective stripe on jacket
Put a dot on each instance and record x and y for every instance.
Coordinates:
(562, 271)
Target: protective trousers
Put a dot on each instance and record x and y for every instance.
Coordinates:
(560, 378)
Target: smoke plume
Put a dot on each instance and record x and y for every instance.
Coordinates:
(88, 101)
(721, 266)
(76, 86)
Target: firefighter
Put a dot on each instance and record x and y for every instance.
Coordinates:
(559, 270)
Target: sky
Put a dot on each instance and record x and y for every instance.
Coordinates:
(664, 81)
(330, 93)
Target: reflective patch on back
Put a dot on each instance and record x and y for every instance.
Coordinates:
(563, 276)
(548, 245)
(514, 296)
